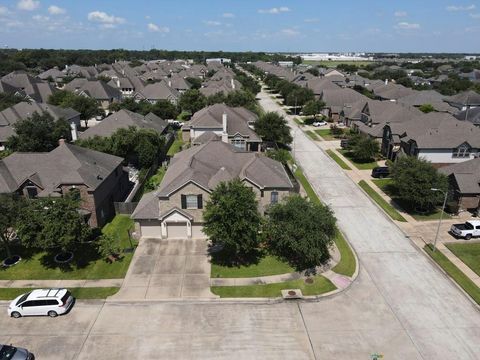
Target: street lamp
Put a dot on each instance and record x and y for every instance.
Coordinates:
(441, 216)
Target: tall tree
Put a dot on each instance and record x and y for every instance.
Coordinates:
(192, 100)
(365, 149)
(38, 133)
(87, 107)
(313, 108)
(273, 127)
(9, 99)
(232, 219)
(300, 231)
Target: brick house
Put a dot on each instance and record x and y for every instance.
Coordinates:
(99, 179)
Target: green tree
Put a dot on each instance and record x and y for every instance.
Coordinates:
(314, 71)
(10, 208)
(365, 149)
(38, 133)
(192, 100)
(313, 108)
(9, 99)
(281, 155)
(232, 220)
(299, 96)
(426, 108)
(273, 127)
(240, 98)
(300, 231)
(52, 224)
(195, 83)
(108, 245)
(86, 106)
(413, 180)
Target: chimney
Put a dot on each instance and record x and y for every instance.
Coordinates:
(233, 84)
(386, 81)
(224, 128)
(118, 83)
(61, 141)
(73, 130)
(169, 83)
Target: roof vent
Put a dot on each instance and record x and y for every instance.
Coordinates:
(99, 177)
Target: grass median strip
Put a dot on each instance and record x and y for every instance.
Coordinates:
(306, 185)
(312, 135)
(78, 293)
(389, 209)
(338, 160)
(319, 286)
(347, 263)
(455, 273)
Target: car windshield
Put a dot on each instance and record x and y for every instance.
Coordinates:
(7, 352)
(468, 226)
(22, 299)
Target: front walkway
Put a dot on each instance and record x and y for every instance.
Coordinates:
(167, 269)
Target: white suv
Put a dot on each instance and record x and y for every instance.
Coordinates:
(51, 302)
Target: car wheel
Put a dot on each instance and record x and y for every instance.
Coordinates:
(16, 315)
(52, 313)
(468, 237)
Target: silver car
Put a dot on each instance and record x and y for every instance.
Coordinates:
(9, 352)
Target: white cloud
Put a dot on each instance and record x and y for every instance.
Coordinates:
(40, 18)
(312, 20)
(28, 5)
(275, 10)
(407, 26)
(102, 17)
(212, 23)
(460, 8)
(289, 32)
(475, 16)
(56, 10)
(155, 28)
(4, 10)
(228, 15)
(400, 13)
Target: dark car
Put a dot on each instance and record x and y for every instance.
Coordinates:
(380, 172)
(8, 352)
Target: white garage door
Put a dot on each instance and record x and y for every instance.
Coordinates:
(151, 229)
(176, 230)
(197, 232)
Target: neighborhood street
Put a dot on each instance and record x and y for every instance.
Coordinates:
(401, 306)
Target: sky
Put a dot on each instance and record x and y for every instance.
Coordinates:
(244, 25)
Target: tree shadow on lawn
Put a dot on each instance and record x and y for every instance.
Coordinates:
(225, 258)
(83, 255)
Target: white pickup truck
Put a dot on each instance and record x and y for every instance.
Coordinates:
(467, 230)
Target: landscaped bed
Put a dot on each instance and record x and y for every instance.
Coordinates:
(468, 253)
(78, 293)
(387, 186)
(86, 264)
(455, 273)
(268, 265)
(319, 286)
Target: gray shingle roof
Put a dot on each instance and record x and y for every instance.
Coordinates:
(36, 89)
(466, 174)
(67, 164)
(124, 119)
(471, 115)
(95, 89)
(158, 91)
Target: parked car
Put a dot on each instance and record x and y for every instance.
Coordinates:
(344, 143)
(9, 352)
(319, 123)
(380, 172)
(466, 230)
(51, 302)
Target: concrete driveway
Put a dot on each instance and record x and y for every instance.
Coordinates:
(167, 269)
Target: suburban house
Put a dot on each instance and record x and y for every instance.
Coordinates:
(98, 179)
(391, 91)
(123, 119)
(24, 110)
(20, 83)
(464, 100)
(337, 99)
(464, 183)
(158, 91)
(428, 97)
(436, 137)
(175, 209)
(470, 115)
(232, 125)
(95, 89)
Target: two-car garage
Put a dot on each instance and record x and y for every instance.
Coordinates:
(174, 226)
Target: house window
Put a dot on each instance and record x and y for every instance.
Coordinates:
(238, 143)
(31, 192)
(462, 151)
(192, 201)
(274, 197)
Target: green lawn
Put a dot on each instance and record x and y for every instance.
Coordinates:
(312, 135)
(386, 185)
(306, 185)
(337, 159)
(86, 264)
(78, 293)
(155, 180)
(176, 145)
(298, 121)
(455, 273)
(389, 209)
(468, 253)
(319, 286)
(268, 265)
(359, 165)
(347, 263)
(325, 134)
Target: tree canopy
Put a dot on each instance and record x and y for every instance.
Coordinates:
(87, 107)
(300, 231)
(313, 108)
(232, 220)
(364, 148)
(192, 100)
(413, 180)
(273, 127)
(162, 108)
(38, 133)
(9, 99)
